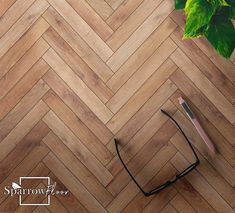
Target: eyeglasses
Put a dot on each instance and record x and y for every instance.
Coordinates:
(169, 182)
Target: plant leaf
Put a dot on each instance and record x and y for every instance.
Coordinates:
(231, 3)
(180, 4)
(199, 15)
(221, 34)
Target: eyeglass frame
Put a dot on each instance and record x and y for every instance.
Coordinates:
(171, 181)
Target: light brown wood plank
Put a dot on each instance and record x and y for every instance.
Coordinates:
(205, 65)
(206, 170)
(122, 13)
(132, 23)
(78, 107)
(91, 18)
(69, 201)
(11, 16)
(77, 85)
(90, 78)
(22, 87)
(22, 128)
(8, 81)
(140, 35)
(148, 151)
(140, 138)
(101, 7)
(77, 44)
(141, 55)
(181, 205)
(22, 108)
(73, 184)
(140, 201)
(16, 31)
(82, 28)
(21, 46)
(22, 149)
(146, 174)
(213, 198)
(25, 167)
(212, 93)
(78, 148)
(78, 128)
(6, 4)
(204, 105)
(78, 169)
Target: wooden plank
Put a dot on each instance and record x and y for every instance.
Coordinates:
(78, 128)
(148, 151)
(88, 14)
(140, 138)
(140, 77)
(22, 128)
(77, 147)
(77, 44)
(37, 198)
(212, 93)
(22, 87)
(132, 23)
(101, 7)
(158, 203)
(144, 114)
(122, 13)
(16, 31)
(78, 107)
(22, 108)
(141, 55)
(114, 3)
(22, 45)
(217, 161)
(14, 13)
(69, 201)
(192, 196)
(200, 184)
(5, 5)
(82, 28)
(225, 66)
(168, 209)
(41, 209)
(222, 145)
(205, 65)
(181, 205)
(140, 201)
(25, 167)
(73, 184)
(90, 78)
(78, 169)
(206, 170)
(143, 177)
(204, 105)
(140, 35)
(22, 149)
(77, 85)
(8, 81)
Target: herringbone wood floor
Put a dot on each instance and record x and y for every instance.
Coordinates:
(74, 74)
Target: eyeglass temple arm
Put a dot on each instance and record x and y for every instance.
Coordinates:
(116, 145)
(195, 154)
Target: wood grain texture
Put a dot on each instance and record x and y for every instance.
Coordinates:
(74, 75)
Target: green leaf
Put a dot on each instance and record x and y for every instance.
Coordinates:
(231, 3)
(199, 15)
(221, 34)
(180, 4)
